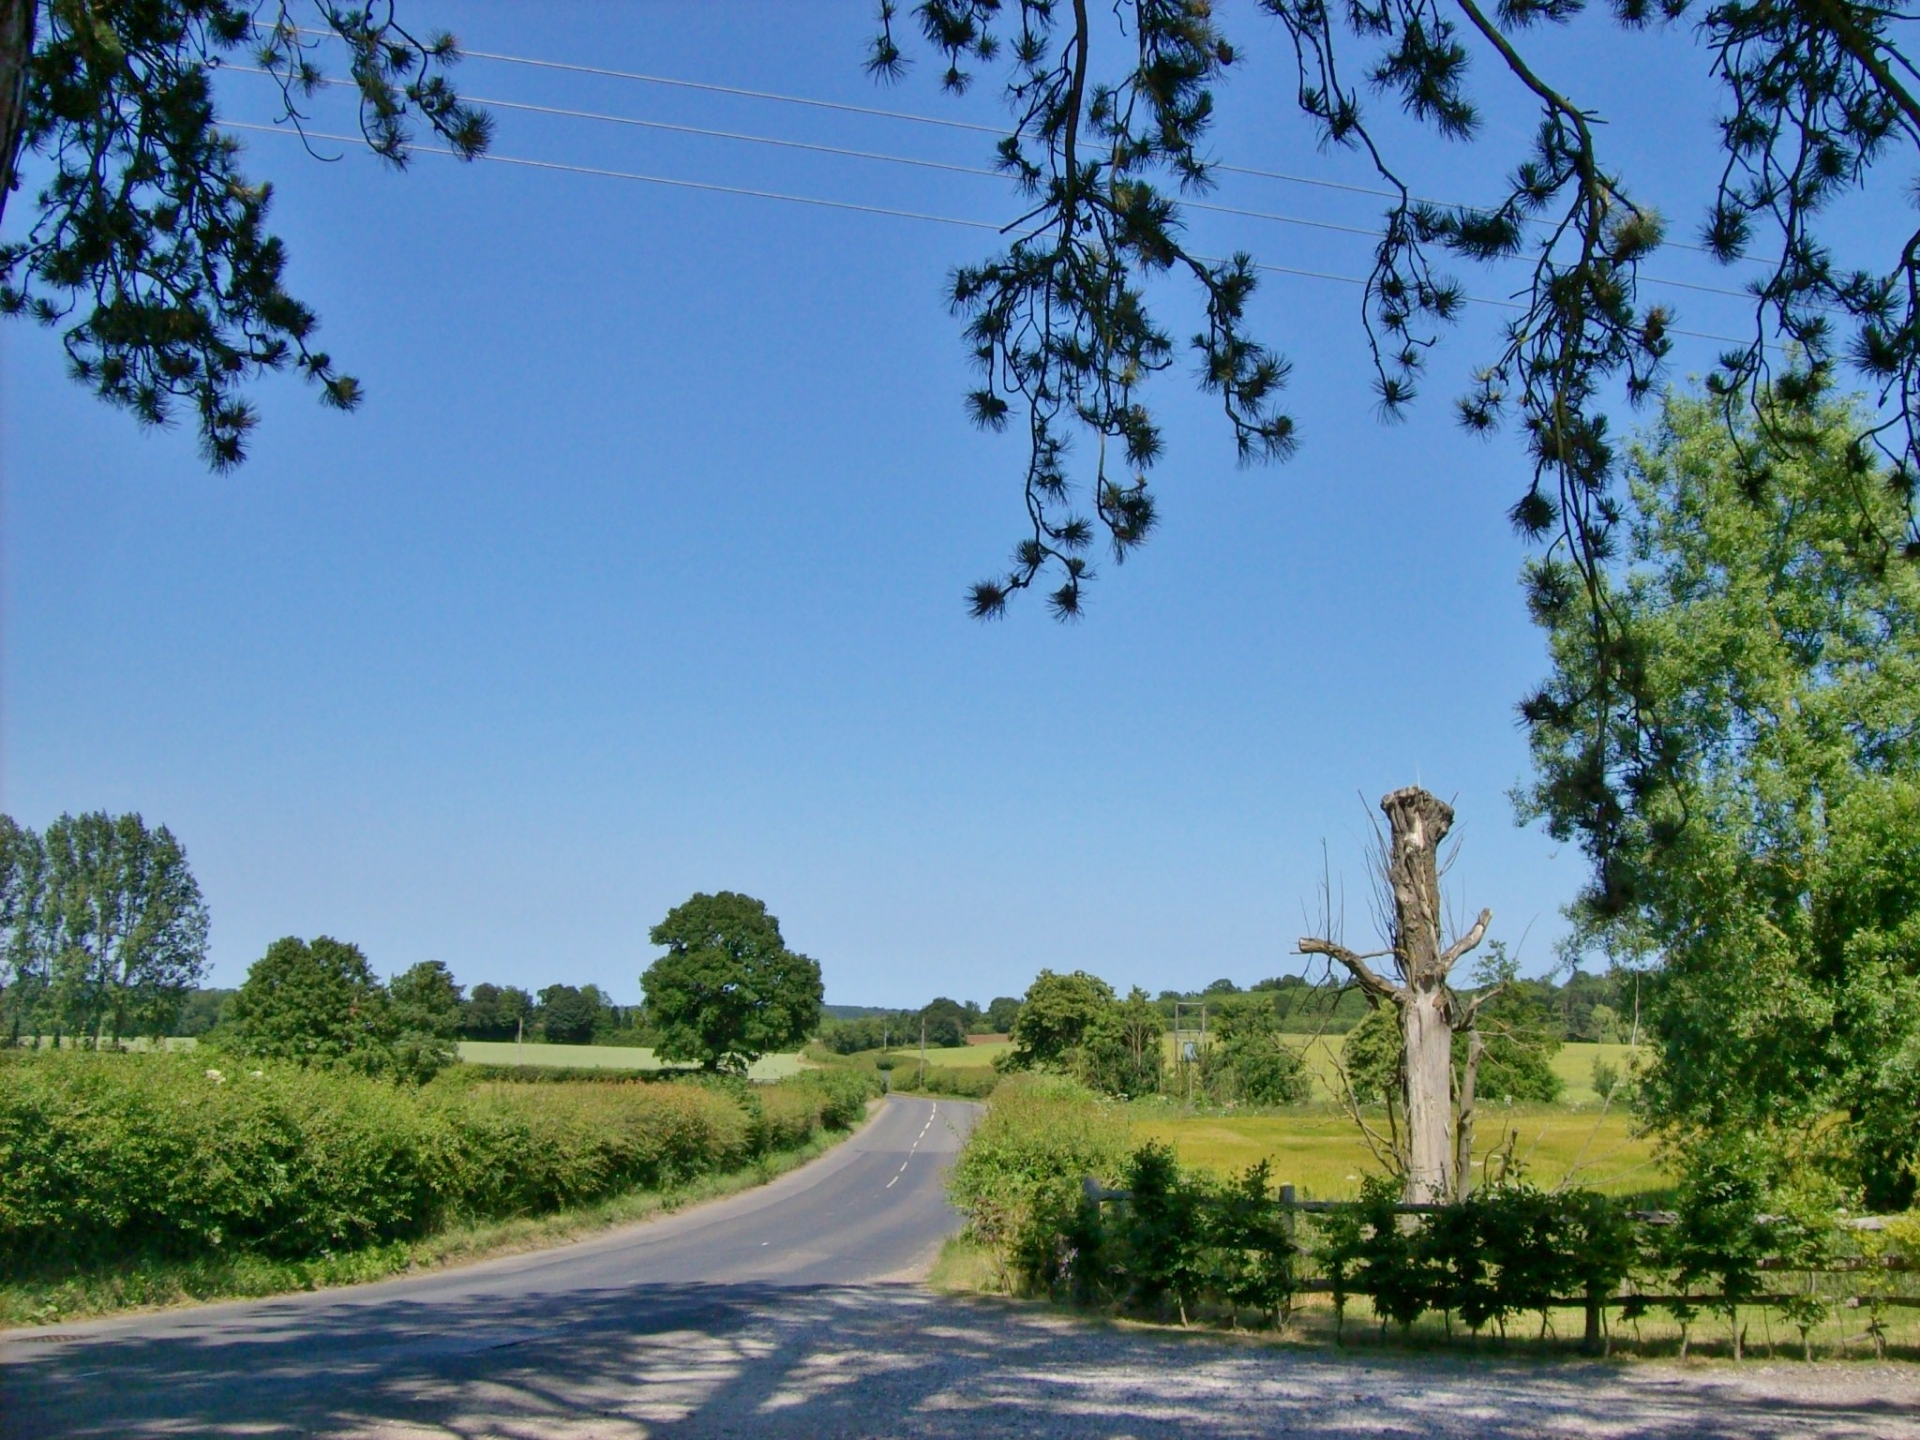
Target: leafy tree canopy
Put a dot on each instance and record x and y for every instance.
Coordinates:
(1111, 141)
(102, 929)
(568, 1013)
(728, 990)
(1001, 1013)
(496, 1012)
(1752, 809)
(1055, 1016)
(315, 1002)
(146, 245)
(1119, 1051)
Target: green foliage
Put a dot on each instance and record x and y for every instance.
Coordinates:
(1018, 1177)
(111, 1155)
(1373, 1056)
(1256, 1066)
(1753, 814)
(496, 1012)
(1054, 1018)
(966, 1082)
(147, 245)
(567, 1014)
(316, 1004)
(1119, 1052)
(1519, 1033)
(424, 1006)
(1001, 1014)
(728, 990)
(102, 929)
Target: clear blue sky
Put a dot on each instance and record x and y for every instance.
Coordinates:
(641, 570)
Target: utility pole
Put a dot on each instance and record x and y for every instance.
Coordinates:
(923, 1052)
(519, 1034)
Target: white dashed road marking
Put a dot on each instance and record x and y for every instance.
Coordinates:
(915, 1146)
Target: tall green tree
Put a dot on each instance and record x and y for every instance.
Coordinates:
(1752, 812)
(425, 1007)
(1119, 1051)
(1054, 1018)
(25, 972)
(316, 1003)
(496, 1012)
(728, 990)
(123, 923)
(145, 244)
(568, 1013)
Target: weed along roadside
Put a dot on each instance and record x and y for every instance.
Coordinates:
(1064, 1201)
(140, 1180)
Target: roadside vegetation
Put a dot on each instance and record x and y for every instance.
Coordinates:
(201, 1177)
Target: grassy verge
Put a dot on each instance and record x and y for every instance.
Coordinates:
(146, 1283)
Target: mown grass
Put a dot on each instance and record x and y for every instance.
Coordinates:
(1319, 1150)
(58, 1293)
(605, 1057)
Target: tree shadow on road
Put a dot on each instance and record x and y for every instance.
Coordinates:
(777, 1361)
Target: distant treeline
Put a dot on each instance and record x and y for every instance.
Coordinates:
(1584, 1007)
(556, 1015)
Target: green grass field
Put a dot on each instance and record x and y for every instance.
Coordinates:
(1573, 1063)
(955, 1057)
(1319, 1150)
(603, 1057)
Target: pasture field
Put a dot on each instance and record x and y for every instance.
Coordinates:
(958, 1057)
(1317, 1148)
(605, 1057)
(1573, 1063)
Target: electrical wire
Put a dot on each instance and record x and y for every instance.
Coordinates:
(1365, 232)
(814, 200)
(934, 120)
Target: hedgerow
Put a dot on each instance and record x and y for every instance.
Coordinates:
(1167, 1239)
(104, 1156)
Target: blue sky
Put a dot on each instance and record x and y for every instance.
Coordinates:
(641, 570)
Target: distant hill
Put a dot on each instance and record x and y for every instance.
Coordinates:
(853, 1012)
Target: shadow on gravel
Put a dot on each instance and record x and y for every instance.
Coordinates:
(772, 1361)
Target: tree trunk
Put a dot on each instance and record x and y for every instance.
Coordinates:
(1417, 823)
(16, 46)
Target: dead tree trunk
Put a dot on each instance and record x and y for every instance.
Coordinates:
(16, 48)
(1416, 824)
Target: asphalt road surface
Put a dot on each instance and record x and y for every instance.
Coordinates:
(791, 1312)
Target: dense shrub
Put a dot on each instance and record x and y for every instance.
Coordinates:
(1169, 1237)
(1018, 1178)
(105, 1155)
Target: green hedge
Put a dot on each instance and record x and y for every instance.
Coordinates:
(1175, 1240)
(107, 1155)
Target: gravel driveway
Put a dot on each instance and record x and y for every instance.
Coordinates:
(897, 1360)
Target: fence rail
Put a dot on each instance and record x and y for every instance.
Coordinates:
(1596, 1301)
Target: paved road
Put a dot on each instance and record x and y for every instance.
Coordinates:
(789, 1314)
(353, 1360)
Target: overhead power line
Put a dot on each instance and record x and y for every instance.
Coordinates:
(563, 112)
(943, 123)
(630, 175)
(940, 122)
(821, 203)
